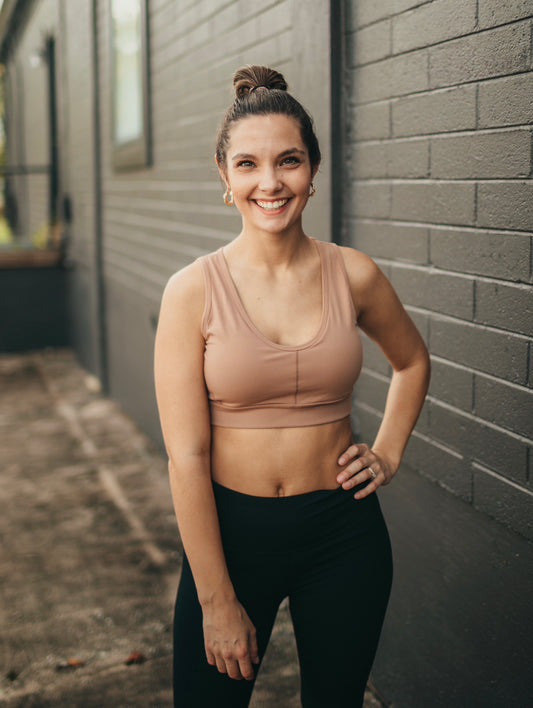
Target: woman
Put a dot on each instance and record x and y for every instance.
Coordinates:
(256, 355)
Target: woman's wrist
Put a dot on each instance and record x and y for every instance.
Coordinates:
(218, 597)
(390, 459)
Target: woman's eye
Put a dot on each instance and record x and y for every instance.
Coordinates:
(292, 160)
(245, 163)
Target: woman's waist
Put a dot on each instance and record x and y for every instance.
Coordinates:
(257, 525)
(278, 462)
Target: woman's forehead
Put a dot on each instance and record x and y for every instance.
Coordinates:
(255, 132)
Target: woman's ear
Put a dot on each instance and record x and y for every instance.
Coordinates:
(221, 171)
(314, 171)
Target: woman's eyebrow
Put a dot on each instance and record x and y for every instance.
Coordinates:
(248, 156)
(243, 156)
(291, 151)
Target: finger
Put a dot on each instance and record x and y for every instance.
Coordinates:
(366, 491)
(374, 480)
(221, 664)
(348, 473)
(349, 454)
(233, 669)
(242, 654)
(254, 650)
(210, 656)
(359, 472)
(246, 668)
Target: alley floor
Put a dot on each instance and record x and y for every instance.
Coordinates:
(90, 553)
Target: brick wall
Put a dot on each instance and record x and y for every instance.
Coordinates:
(438, 117)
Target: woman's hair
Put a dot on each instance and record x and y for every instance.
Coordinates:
(261, 91)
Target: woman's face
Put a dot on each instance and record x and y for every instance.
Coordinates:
(268, 171)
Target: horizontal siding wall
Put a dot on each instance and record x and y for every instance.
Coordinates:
(440, 194)
(159, 219)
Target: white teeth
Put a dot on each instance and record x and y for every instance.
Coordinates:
(270, 206)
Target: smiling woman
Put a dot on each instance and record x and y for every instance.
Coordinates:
(257, 352)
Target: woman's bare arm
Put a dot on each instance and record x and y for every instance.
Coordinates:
(383, 318)
(184, 412)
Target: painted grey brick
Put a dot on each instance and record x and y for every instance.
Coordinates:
(421, 321)
(365, 423)
(504, 404)
(506, 205)
(383, 239)
(493, 352)
(373, 357)
(434, 202)
(395, 76)
(503, 501)
(405, 158)
(497, 155)
(451, 384)
(489, 253)
(370, 44)
(497, 52)
(274, 19)
(505, 306)
(370, 199)
(369, 160)
(433, 290)
(365, 12)
(371, 390)
(477, 440)
(497, 450)
(496, 12)
(435, 112)
(429, 24)
(506, 101)
(370, 121)
(443, 465)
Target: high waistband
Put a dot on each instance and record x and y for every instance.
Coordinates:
(299, 521)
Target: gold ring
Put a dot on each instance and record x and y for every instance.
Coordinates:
(372, 473)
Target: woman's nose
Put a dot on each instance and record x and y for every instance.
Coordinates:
(269, 181)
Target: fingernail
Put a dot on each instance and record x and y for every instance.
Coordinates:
(342, 460)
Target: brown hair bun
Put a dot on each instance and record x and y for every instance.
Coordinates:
(249, 78)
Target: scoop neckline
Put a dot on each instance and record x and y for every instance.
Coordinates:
(252, 326)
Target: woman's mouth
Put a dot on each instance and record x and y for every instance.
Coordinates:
(271, 205)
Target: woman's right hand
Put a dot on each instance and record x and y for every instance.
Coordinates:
(230, 639)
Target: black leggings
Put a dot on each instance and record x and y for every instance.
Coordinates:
(330, 554)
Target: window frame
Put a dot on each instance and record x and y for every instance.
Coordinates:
(135, 153)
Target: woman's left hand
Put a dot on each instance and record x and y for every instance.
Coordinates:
(361, 464)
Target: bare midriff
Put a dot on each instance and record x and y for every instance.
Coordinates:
(274, 462)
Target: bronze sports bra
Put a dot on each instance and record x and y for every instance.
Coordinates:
(253, 382)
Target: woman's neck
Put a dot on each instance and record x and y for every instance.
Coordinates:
(272, 250)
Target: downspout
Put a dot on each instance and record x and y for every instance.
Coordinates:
(101, 319)
(338, 133)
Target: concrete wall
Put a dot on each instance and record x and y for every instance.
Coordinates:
(440, 194)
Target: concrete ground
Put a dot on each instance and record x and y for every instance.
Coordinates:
(90, 552)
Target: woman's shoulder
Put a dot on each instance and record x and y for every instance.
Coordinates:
(361, 269)
(185, 289)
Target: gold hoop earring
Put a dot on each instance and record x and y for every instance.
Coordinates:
(228, 197)
(312, 189)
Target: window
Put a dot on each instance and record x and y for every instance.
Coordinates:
(130, 84)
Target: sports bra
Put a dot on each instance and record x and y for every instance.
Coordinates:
(253, 382)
